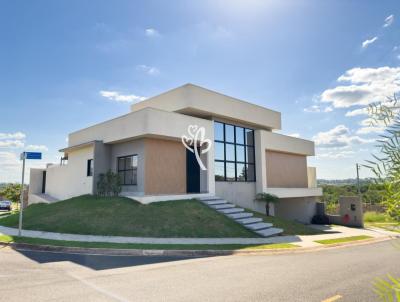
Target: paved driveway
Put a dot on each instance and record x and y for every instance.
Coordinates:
(312, 276)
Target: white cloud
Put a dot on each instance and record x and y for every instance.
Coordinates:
(11, 144)
(36, 148)
(336, 154)
(360, 111)
(8, 159)
(368, 42)
(16, 135)
(370, 129)
(317, 108)
(150, 70)
(116, 96)
(151, 32)
(338, 137)
(388, 21)
(297, 135)
(367, 85)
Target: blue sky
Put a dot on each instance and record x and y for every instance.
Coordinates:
(65, 65)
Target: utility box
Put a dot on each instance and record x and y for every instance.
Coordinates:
(351, 212)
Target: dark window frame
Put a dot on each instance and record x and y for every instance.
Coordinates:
(89, 167)
(235, 161)
(125, 170)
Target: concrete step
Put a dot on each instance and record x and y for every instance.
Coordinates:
(214, 202)
(240, 215)
(249, 220)
(231, 210)
(222, 206)
(269, 232)
(258, 226)
(209, 198)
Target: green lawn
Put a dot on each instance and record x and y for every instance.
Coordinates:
(344, 239)
(289, 227)
(381, 220)
(37, 241)
(120, 216)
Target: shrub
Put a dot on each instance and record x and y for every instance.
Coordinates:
(320, 219)
(376, 217)
(109, 184)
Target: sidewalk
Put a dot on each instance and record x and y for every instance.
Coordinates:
(303, 241)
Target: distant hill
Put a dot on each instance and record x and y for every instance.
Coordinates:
(348, 181)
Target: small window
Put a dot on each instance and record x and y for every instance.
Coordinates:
(89, 168)
(127, 169)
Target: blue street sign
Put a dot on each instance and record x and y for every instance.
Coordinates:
(33, 155)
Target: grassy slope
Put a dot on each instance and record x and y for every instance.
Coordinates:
(119, 216)
(38, 241)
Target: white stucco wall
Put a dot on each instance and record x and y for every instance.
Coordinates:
(239, 193)
(35, 180)
(70, 180)
(300, 209)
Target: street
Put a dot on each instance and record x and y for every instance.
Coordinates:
(344, 273)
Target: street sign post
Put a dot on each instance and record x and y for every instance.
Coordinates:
(25, 155)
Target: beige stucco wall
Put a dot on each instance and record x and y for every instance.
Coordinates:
(142, 123)
(35, 181)
(70, 180)
(286, 170)
(198, 101)
(312, 177)
(165, 167)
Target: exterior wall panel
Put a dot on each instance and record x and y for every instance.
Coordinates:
(286, 170)
(165, 167)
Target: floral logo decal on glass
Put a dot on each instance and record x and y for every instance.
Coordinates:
(196, 142)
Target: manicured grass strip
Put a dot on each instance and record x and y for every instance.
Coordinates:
(38, 241)
(120, 216)
(388, 226)
(344, 239)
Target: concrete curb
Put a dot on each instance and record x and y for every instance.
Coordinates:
(185, 253)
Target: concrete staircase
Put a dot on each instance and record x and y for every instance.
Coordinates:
(239, 215)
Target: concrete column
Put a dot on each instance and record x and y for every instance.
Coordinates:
(101, 162)
(261, 168)
(210, 166)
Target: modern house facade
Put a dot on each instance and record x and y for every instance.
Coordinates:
(246, 156)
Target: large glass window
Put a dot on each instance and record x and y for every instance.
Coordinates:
(127, 169)
(234, 153)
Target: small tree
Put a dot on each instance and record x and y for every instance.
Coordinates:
(12, 192)
(386, 165)
(268, 198)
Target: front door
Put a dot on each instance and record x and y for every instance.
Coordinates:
(192, 173)
(44, 182)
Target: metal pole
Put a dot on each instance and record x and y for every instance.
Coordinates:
(358, 178)
(21, 200)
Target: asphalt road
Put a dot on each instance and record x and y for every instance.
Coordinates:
(346, 273)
